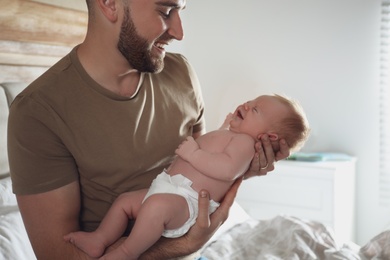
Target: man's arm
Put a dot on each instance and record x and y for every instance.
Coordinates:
(48, 217)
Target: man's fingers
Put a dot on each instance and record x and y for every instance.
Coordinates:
(220, 216)
(203, 213)
(268, 150)
(261, 153)
(284, 150)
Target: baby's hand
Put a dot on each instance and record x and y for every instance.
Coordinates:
(226, 123)
(187, 148)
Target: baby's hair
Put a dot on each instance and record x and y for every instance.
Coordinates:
(294, 127)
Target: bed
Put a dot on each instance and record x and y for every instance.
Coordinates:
(241, 237)
(289, 238)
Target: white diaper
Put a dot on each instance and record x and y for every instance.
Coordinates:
(180, 185)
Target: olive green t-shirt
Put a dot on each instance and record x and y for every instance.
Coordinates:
(65, 127)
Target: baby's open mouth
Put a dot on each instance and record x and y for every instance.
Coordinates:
(239, 115)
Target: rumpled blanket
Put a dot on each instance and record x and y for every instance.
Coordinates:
(290, 238)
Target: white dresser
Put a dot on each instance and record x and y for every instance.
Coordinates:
(322, 191)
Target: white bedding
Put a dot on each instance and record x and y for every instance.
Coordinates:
(290, 238)
(14, 243)
(282, 237)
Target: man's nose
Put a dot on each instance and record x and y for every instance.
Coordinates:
(176, 27)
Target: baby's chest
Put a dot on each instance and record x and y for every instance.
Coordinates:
(215, 141)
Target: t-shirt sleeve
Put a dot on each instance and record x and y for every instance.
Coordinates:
(200, 124)
(39, 161)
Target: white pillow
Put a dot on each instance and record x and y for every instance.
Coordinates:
(14, 242)
(7, 198)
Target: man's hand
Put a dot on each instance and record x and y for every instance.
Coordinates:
(267, 153)
(206, 225)
(199, 233)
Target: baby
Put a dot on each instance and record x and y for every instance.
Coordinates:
(211, 162)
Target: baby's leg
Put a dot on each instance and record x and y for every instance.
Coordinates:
(159, 212)
(125, 207)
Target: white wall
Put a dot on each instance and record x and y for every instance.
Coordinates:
(325, 53)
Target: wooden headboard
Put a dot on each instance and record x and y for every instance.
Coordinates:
(37, 33)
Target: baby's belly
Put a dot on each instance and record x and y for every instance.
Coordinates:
(216, 188)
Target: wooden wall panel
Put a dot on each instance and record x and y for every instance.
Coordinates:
(33, 36)
(20, 73)
(27, 21)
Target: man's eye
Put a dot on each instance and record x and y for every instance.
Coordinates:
(165, 13)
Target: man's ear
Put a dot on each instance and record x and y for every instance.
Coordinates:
(109, 8)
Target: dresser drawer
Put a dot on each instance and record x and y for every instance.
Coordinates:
(322, 192)
(293, 194)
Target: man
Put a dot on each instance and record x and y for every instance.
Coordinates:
(106, 119)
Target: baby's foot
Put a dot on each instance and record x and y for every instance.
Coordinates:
(87, 242)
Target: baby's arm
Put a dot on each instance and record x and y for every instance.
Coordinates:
(226, 123)
(227, 165)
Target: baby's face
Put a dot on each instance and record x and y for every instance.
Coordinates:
(257, 117)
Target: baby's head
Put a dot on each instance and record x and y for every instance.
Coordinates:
(293, 126)
(275, 115)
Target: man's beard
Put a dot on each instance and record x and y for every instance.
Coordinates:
(136, 49)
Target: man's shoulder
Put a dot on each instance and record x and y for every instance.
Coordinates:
(177, 69)
(174, 57)
(57, 82)
(174, 61)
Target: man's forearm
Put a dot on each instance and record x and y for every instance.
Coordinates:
(62, 252)
(169, 248)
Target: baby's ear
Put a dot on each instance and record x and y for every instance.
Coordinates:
(273, 136)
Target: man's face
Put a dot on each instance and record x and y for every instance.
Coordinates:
(144, 35)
